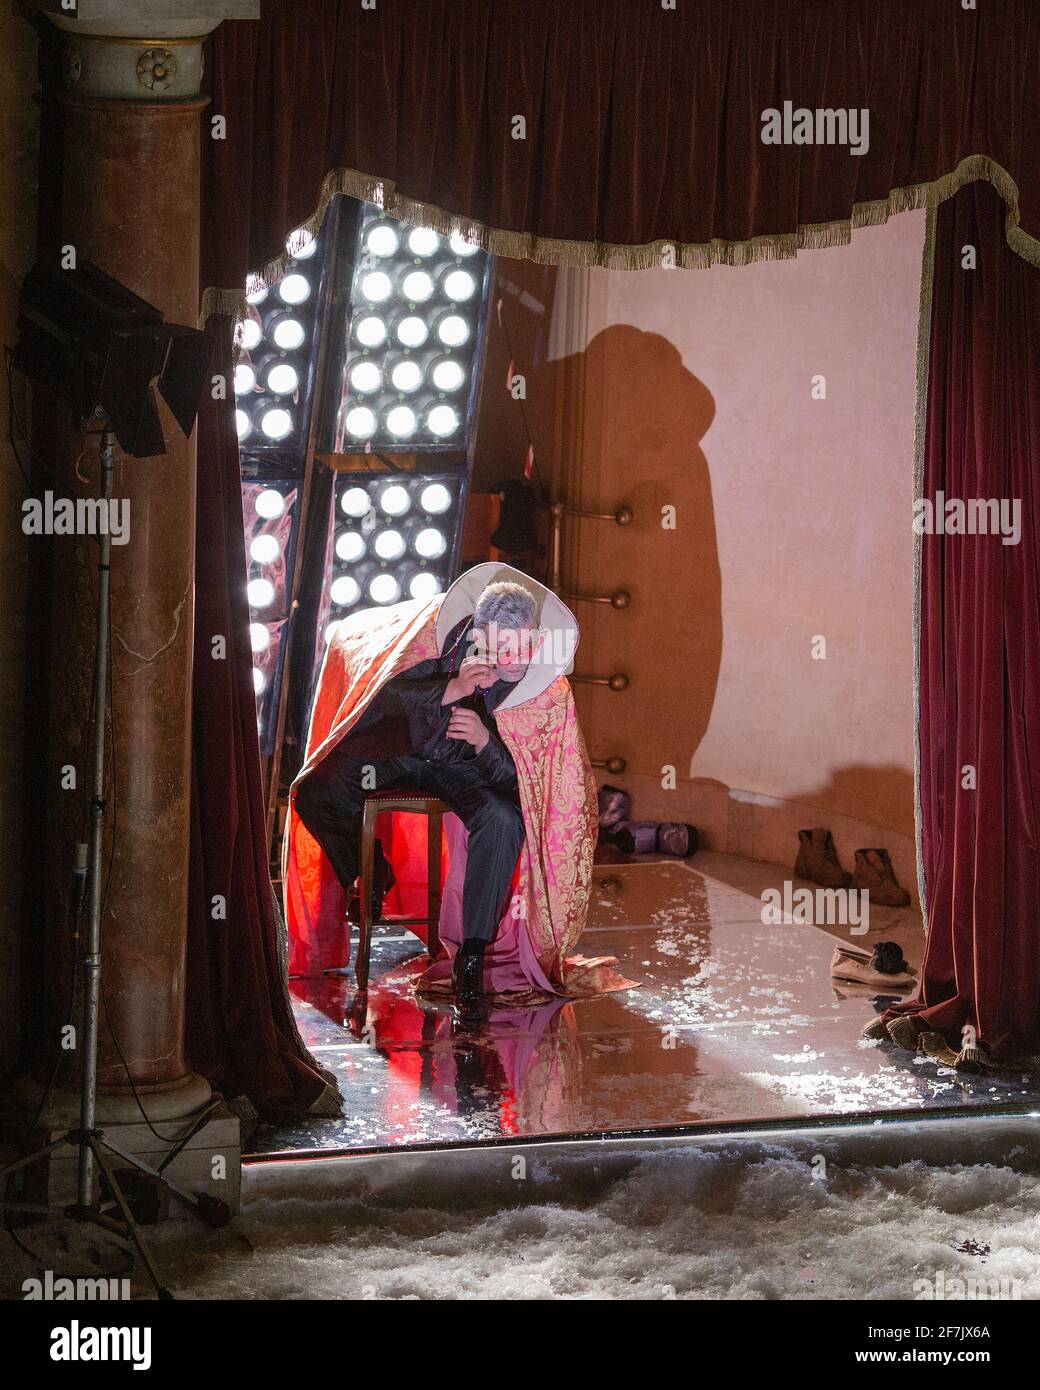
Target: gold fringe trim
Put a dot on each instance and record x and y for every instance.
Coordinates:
(687, 256)
(231, 303)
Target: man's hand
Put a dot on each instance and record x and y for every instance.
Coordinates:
(467, 724)
(471, 675)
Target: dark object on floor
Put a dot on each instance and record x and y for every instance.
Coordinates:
(614, 804)
(874, 873)
(818, 860)
(657, 837)
(385, 880)
(887, 958)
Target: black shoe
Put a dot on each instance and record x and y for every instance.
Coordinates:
(468, 978)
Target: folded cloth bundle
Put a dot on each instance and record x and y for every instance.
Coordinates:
(614, 803)
(883, 968)
(660, 837)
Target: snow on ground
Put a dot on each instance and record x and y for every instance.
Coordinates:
(734, 1220)
(891, 1211)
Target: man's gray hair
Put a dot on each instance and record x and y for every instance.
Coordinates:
(506, 605)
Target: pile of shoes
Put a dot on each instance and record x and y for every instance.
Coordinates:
(818, 861)
(884, 969)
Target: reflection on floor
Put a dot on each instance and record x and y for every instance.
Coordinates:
(735, 1021)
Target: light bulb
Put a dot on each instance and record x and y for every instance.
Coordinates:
(265, 550)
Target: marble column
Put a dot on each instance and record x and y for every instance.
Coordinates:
(131, 205)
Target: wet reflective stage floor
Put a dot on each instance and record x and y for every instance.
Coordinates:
(734, 1022)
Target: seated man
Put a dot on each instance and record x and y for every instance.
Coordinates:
(432, 728)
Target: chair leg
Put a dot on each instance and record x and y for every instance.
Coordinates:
(368, 863)
(434, 826)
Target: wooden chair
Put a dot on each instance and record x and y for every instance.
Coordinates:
(412, 803)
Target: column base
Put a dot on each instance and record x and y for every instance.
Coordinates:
(209, 1162)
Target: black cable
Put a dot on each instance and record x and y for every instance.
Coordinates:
(12, 420)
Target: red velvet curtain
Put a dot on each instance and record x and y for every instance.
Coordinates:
(980, 641)
(240, 1031)
(642, 124)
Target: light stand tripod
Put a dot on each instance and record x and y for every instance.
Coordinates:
(92, 1144)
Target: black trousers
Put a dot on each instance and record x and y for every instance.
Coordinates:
(331, 800)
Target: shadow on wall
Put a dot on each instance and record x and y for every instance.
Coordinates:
(863, 807)
(644, 415)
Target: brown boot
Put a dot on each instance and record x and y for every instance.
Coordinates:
(874, 873)
(818, 860)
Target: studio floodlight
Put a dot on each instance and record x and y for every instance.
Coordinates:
(99, 346)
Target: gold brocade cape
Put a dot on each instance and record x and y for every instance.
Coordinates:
(532, 953)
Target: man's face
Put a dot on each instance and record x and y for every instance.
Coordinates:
(508, 650)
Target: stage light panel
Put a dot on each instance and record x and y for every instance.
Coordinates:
(243, 425)
(390, 550)
(259, 681)
(277, 346)
(259, 637)
(431, 292)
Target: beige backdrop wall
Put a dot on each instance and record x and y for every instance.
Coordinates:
(769, 640)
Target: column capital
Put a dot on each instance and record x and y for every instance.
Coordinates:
(137, 50)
